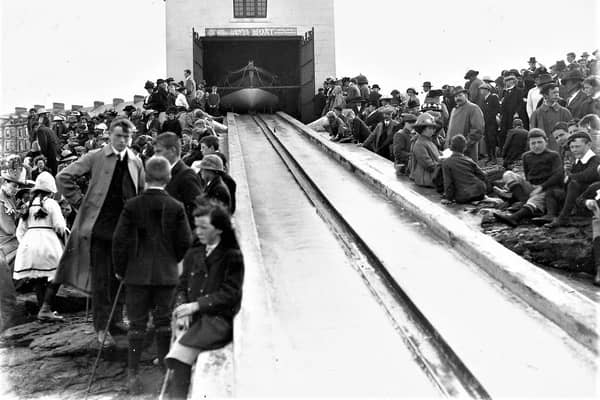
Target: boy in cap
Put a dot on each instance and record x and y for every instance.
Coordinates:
(211, 169)
(154, 227)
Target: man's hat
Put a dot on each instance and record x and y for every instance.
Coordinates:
(544, 79)
(585, 54)
(160, 81)
(407, 117)
(509, 77)
(212, 162)
(12, 175)
(435, 93)
(149, 85)
(458, 90)
(487, 78)
(486, 87)
(412, 89)
(169, 80)
(579, 134)
(427, 84)
(129, 108)
(572, 75)
(395, 92)
(101, 127)
(515, 72)
(375, 86)
(387, 110)
(532, 60)
(58, 118)
(561, 65)
(425, 120)
(471, 73)
(571, 54)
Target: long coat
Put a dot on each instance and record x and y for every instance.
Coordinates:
(74, 266)
(425, 159)
(581, 105)
(513, 103)
(215, 282)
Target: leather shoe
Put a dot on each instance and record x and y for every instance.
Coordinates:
(109, 341)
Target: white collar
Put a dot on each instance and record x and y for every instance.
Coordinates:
(571, 97)
(211, 247)
(121, 154)
(596, 95)
(586, 157)
(155, 187)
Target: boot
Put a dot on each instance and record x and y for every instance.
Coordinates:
(163, 343)
(136, 346)
(180, 379)
(47, 315)
(552, 210)
(513, 219)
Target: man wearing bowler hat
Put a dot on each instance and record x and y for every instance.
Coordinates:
(512, 103)
(578, 102)
(374, 95)
(474, 82)
(467, 120)
(532, 63)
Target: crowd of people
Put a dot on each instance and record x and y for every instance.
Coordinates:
(539, 125)
(137, 202)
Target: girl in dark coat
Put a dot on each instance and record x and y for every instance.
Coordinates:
(209, 294)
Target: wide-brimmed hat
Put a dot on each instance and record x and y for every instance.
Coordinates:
(57, 118)
(129, 108)
(12, 175)
(572, 75)
(45, 182)
(487, 78)
(212, 162)
(470, 73)
(544, 79)
(458, 90)
(425, 119)
(585, 54)
(149, 85)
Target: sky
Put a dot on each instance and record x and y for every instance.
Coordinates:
(78, 51)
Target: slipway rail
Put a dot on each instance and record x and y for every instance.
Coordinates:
(435, 357)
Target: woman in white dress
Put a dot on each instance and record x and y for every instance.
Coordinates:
(40, 247)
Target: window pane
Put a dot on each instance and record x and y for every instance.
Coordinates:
(261, 8)
(250, 8)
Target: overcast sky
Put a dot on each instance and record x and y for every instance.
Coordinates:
(76, 52)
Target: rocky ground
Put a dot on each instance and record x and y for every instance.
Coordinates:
(54, 360)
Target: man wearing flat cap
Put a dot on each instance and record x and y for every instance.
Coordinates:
(578, 102)
(467, 120)
(513, 103)
(473, 83)
(380, 141)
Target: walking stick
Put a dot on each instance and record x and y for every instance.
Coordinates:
(112, 311)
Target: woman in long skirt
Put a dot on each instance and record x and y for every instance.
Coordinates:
(209, 294)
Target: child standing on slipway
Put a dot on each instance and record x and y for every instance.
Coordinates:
(151, 238)
(40, 247)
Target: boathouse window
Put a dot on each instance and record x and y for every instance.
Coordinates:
(250, 8)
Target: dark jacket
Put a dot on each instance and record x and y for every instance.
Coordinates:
(215, 282)
(490, 107)
(232, 186)
(515, 145)
(513, 102)
(172, 126)
(360, 130)
(401, 146)
(48, 146)
(581, 105)
(184, 186)
(217, 190)
(464, 181)
(152, 236)
(585, 173)
(381, 139)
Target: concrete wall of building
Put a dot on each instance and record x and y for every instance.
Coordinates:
(183, 15)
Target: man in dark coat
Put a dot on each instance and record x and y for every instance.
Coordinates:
(357, 128)
(515, 144)
(48, 146)
(464, 181)
(211, 168)
(490, 106)
(116, 174)
(185, 184)
(577, 101)
(402, 143)
(513, 103)
(210, 145)
(381, 139)
(150, 239)
(474, 83)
